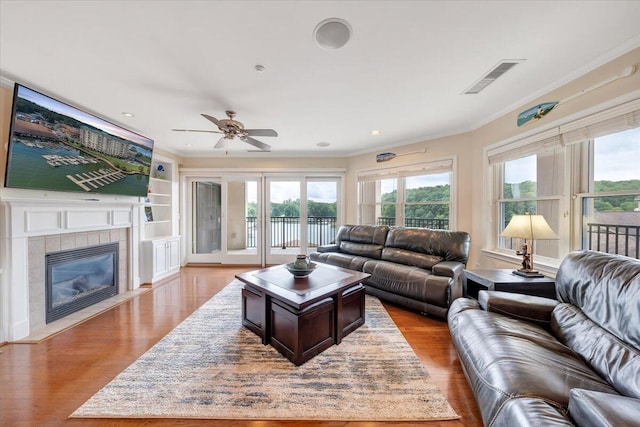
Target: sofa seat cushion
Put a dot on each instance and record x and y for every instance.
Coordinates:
(339, 259)
(531, 412)
(410, 282)
(595, 409)
(517, 359)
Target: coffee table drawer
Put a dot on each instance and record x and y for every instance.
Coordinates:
(301, 334)
(254, 312)
(352, 315)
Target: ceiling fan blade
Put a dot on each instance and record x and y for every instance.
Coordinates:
(256, 143)
(260, 132)
(215, 121)
(195, 130)
(221, 143)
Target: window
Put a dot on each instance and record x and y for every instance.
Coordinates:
(412, 196)
(582, 176)
(610, 196)
(532, 184)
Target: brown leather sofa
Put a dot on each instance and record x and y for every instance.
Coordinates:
(533, 361)
(418, 268)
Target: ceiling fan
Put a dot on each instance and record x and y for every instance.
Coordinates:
(231, 129)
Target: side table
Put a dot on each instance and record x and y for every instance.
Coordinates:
(504, 280)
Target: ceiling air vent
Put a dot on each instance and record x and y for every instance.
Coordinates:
(496, 72)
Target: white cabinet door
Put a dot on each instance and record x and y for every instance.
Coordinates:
(173, 253)
(159, 257)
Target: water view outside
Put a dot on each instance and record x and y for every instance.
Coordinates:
(29, 169)
(57, 147)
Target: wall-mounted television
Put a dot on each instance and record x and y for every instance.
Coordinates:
(55, 146)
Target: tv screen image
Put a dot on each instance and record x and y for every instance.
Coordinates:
(55, 146)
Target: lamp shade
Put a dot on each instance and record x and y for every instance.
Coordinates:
(530, 227)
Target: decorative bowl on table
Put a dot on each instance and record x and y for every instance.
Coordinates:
(300, 273)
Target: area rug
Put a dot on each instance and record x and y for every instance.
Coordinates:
(211, 367)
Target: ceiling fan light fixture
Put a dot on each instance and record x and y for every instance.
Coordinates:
(332, 33)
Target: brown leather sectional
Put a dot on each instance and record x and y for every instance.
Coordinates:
(418, 268)
(533, 361)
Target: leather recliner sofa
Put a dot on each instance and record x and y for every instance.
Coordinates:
(417, 268)
(533, 361)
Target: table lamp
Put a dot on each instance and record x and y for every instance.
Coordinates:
(528, 227)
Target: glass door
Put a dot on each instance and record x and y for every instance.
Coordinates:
(225, 224)
(303, 213)
(243, 221)
(284, 220)
(207, 217)
(322, 212)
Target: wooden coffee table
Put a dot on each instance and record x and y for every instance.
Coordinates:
(303, 317)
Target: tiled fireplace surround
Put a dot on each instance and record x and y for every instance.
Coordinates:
(36, 227)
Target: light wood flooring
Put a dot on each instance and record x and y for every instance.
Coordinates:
(41, 384)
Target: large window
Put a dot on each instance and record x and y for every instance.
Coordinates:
(413, 196)
(532, 184)
(582, 176)
(610, 196)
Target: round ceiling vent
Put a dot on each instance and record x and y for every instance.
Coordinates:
(332, 33)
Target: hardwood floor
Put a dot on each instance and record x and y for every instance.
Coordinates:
(41, 384)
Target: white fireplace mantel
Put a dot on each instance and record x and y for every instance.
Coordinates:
(22, 218)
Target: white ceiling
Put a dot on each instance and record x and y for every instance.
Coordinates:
(403, 72)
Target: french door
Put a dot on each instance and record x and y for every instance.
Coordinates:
(259, 220)
(224, 223)
(301, 213)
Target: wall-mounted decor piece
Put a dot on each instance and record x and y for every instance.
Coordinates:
(535, 113)
(385, 157)
(539, 111)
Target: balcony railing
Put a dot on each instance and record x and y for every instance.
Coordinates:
(434, 223)
(614, 239)
(285, 231)
(321, 230)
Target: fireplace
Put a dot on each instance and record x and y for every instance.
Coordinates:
(79, 278)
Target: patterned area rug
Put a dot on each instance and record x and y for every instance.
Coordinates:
(211, 367)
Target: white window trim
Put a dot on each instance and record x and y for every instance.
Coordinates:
(609, 112)
(444, 164)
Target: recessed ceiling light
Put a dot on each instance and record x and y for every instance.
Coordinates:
(375, 132)
(127, 114)
(332, 33)
(188, 145)
(323, 144)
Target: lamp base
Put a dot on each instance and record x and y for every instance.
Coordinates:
(527, 273)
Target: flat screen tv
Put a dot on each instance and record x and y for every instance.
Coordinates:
(55, 146)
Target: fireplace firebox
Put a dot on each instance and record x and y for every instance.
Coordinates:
(79, 278)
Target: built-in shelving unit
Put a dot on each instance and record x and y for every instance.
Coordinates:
(161, 241)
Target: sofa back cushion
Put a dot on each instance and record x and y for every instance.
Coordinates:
(424, 248)
(606, 288)
(362, 240)
(615, 361)
(600, 317)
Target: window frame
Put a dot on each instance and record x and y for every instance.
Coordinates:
(569, 132)
(440, 165)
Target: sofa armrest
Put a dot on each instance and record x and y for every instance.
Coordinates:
(590, 408)
(328, 248)
(451, 269)
(454, 270)
(529, 308)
